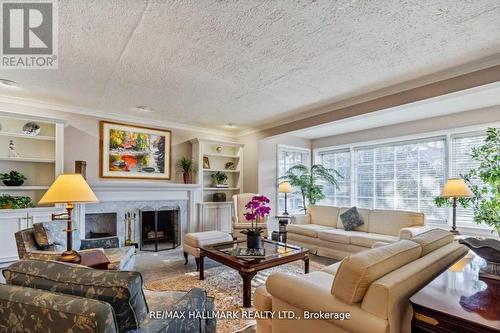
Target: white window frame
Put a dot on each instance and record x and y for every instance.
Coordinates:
(279, 147)
(317, 157)
(466, 228)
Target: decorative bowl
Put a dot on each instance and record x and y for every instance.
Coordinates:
(489, 250)
(31, 128)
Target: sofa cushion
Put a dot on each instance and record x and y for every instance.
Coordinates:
(433, 239)
(119, 257)
(51, 236)
(122, 290)
(390, 222)
(364, 215)
(319, 278)
(351, 219)
(367, 239)
(359, 270)
(324, 215)
(310, 230)
(336, 236)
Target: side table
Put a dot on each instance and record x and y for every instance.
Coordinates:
(93, 259)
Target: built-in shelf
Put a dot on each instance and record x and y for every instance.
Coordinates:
(25, 136)
(23, 188)
(221, 189)
(219, 170)
(28, 159)
(222, 155)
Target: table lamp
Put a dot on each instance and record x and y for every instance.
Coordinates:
(69, 188)
(285, 187)
(455, 188)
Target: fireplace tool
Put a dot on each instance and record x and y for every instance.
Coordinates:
(129, 221)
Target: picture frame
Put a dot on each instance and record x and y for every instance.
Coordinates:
(134, 152)
(206, 162)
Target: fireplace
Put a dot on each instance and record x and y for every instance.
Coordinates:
(159, 229)
(100, 225)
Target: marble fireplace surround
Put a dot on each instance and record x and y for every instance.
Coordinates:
(122, 197)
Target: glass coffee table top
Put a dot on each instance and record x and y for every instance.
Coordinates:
(271, 250)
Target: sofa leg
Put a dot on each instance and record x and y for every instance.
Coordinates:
(197, 263)
(186, 258)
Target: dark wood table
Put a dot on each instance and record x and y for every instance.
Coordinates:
(93, 258)
(276, 254)
(458, 301)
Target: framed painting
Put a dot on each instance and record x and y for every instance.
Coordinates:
(134, 152)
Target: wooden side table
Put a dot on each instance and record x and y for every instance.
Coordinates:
(94, 259)
(458, 301)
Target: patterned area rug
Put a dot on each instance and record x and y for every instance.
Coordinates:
(225, 285)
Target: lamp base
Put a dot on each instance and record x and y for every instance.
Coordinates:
(455, 232)
(70, 256)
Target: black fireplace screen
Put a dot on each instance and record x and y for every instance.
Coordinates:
(159, 229)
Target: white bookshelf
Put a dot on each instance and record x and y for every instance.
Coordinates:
(217, 215)
(40, 157)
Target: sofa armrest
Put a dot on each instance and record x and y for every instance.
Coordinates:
(410, 232)
(307, 296)
(300, 219)
(195, 302)
(104, 242)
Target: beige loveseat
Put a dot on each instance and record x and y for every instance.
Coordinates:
(322, 232)
(373, 286)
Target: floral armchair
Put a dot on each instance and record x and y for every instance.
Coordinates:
(120, 258)
(239, 221)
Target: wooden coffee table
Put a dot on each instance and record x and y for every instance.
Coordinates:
(276, 254)
(458, 300)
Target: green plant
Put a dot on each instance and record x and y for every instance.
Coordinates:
(219, 177)
(17, 202)
(13, 176)
(484, 182)
(185, 165)
(307, 180)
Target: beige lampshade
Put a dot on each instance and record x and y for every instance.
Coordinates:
(456, 188)
(69, 188)
(285, 187)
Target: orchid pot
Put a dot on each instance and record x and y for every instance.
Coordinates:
(257, 210)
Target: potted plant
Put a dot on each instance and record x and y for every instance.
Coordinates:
(13, 178)
(484, 182)
(257, 210)
(18, 202)
(308, 179)
(219, 178)
(186, 166)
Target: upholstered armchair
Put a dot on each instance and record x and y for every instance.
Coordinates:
(239, 221)
(120, 258)
(41, 296)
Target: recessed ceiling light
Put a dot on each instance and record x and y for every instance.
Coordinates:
(230, 125)
(143, 108)
(8, 83)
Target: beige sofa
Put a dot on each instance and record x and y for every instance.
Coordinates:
(322, 232)
(373, 286)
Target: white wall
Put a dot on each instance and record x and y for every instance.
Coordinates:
(456, 120)
(81, 139)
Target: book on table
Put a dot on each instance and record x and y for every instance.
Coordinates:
(251, 253)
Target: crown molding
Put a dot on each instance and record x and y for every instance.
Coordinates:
(110, 116)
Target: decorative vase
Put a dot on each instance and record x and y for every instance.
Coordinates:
(254, 241)
(185, 176)
(13, 182)
(489, 250)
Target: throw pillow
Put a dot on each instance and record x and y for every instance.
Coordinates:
(351, 219)
(51, 236)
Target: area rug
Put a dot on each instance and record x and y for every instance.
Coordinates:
(225, 285)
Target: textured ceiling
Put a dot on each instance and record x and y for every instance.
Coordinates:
(253, 63)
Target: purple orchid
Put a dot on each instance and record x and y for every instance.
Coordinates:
(256, 210)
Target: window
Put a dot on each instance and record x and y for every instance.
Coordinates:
(340, 160)
(461, 163)
(402, 176)
(287, 158)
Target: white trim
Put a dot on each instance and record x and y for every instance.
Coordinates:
(104, 115)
